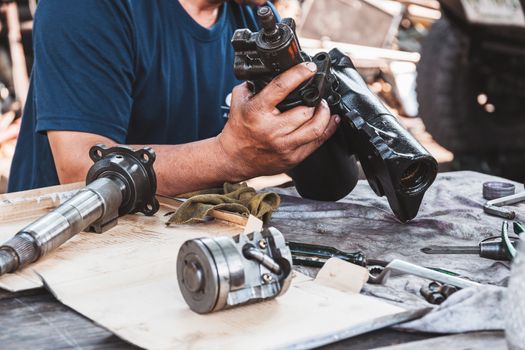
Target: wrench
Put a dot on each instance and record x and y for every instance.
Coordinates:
(420, 271)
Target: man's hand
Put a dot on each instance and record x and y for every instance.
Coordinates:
(260, 140)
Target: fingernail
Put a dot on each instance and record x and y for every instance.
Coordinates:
(337, 119)
(311, 66)
(323, 101)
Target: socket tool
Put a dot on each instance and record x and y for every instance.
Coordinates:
(315, 255)
(489, 248)
(225, 272)
(121, 181)
(380, 274)
(396, 165)
(497, 189)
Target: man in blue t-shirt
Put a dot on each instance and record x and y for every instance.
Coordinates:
(159, 73)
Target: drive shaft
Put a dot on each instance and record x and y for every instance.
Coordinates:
(121, 181)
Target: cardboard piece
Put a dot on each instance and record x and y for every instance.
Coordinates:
(252, 224)
(342, 275)
(125, 280)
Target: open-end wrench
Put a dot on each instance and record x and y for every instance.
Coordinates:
(420, 271)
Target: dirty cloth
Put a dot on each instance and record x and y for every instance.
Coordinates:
(475, 308)
(451, 214)
(236, 198)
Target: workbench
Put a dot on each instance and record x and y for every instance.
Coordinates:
(35, 319)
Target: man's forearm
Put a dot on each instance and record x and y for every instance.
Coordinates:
(193, 166)
(179, 168)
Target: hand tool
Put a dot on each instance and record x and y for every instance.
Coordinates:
(496, 189)
(394, 162)
(382, 273)
(315, 255)
(509, 243)
(121, 181)
(493, 207)
(225, 272)
(489, 248)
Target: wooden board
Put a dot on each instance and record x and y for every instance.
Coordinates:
(125, 280)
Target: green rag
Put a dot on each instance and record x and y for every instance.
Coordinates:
(237, 198)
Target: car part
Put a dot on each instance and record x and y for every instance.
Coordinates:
(381, 274)
(494, 206)
(489, 248)
(315, 255)
(395, 164)
(121, 181)
(436, 293)
(497, 189)
(225, 272)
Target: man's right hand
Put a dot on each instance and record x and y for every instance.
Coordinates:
(260, 140)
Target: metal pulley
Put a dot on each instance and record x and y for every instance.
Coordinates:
(121, 181)
(225, 272)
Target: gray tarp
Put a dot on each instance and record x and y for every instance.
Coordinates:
(451, 214)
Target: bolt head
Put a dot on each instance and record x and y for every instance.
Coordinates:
(263, 244)
(267, 278)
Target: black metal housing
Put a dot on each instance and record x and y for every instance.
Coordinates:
(395, 164)
(135, 169)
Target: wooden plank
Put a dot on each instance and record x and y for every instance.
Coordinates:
(106, 273)
(56, 325)
(29, 204)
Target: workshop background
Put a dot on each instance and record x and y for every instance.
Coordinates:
(456, 87)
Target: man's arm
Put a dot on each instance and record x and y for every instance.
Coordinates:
(257, 140)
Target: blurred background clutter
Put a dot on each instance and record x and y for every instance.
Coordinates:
(451, 70)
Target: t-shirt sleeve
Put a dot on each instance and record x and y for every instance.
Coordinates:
(83, 69)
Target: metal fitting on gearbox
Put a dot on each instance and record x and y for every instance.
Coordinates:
(225, 272)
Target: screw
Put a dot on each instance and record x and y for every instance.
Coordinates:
(263, 244)
(267, 277)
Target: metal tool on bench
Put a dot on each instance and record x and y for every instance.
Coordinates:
(494, 206)
(315, 255)
(436, 293)
(497, 189)
(379, 274)
(489, 248)
(225, 272)
(121, 181)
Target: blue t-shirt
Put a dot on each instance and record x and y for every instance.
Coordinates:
(135, 71)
